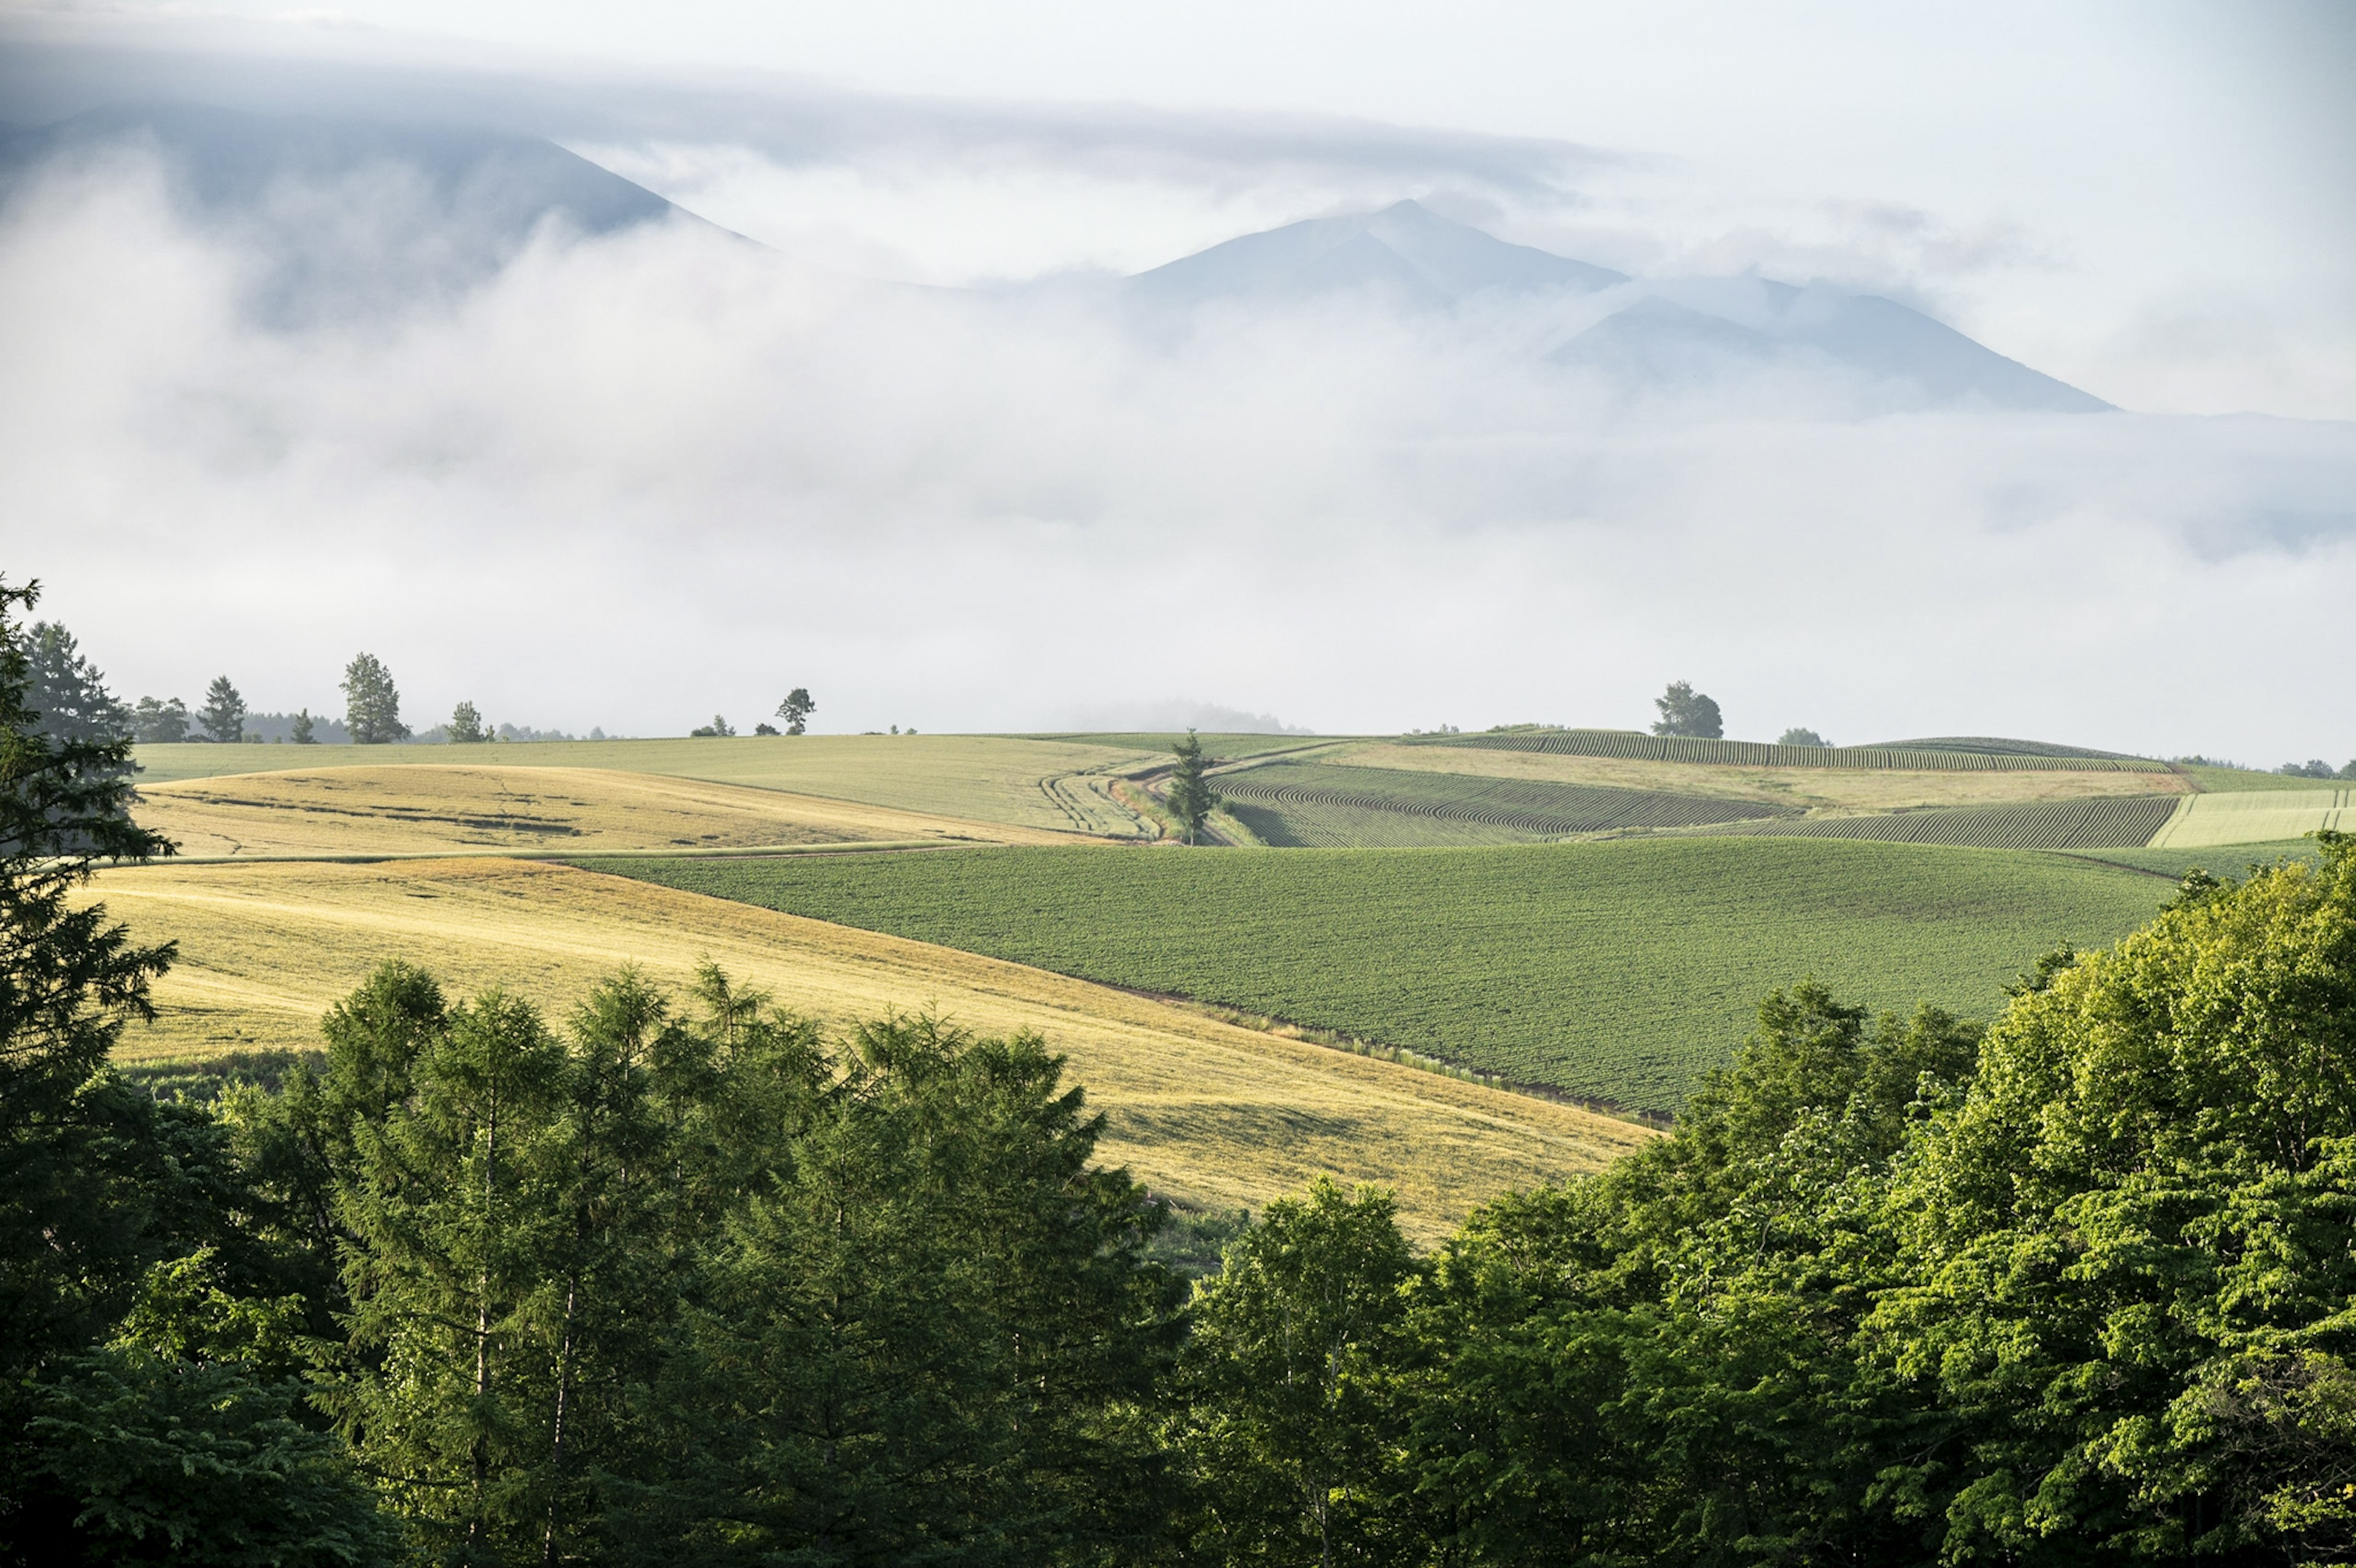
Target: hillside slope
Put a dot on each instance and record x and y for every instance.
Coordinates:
(1205, 1112)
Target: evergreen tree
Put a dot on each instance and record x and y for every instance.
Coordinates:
(302, 726)
(155, 722)
(371, 703)
(223, 714)
(67, 690)
(1190, 796)
(466, 726)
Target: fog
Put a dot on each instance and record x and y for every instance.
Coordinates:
(631, 479)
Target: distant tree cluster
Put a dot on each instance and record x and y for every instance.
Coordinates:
(2318, 769)
(695, 1281)
(1795, 736)
(1684, 711)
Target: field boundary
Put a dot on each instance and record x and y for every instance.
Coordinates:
(1629, 743)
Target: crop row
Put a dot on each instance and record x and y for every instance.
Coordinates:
(2111, 822)
(1297, 825)
(1618, 971)
(1519, 804)
(1759, 754)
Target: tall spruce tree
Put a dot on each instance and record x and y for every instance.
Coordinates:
(223, 714)
(1190, 796)
(371, 702)
(67, 690)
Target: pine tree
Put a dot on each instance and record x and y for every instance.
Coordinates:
(466, 726)
(1191, 798)
(371, 702)
(68, 691)
(795, 709)
(223, 714)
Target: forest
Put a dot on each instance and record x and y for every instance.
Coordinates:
(690, 1279)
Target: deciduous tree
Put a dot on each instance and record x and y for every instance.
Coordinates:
(795, 709)
(1684, 711)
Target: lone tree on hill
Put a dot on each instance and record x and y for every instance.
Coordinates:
(795, 709)
(1684, 711)
(371, 702)
(1797, 736)
(1191, 798)
(467, 727)
(302, 736)
(223, 714)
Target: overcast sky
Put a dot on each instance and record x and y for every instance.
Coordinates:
(2150, 201)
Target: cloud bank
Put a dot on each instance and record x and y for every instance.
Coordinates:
(628, 480)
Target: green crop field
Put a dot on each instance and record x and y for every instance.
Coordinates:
(1616, 971)
(2256, 817)
(1925, 756)
(1056, 785)
(1223, 745)
(1525, 806)
(1298, 825)
(2125, 822)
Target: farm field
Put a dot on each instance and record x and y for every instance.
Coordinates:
(2115, 822)
(1523, 806)
(1053, 785)
(1300, 824)
(1813, 789)
(1956, 754)
(490, 809)
(2255, 816)
(1208, 1112)
(1616, 971)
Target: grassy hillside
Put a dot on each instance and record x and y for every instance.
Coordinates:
(1619, 971)
(2000, 756)
(2256, 817)
(1055, 785)
(490, 809)
(2117, 822)
(1810, 789)
(1211, 1114)
(1525, 806)
(1300, 824)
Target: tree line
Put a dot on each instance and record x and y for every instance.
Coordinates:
(688, 1279)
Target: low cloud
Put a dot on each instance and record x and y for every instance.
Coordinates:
(631, 480)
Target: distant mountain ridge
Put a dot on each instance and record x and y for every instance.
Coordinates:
(1659, 334)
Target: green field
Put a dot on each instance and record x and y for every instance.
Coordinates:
(2258, 817)
(1525, 806)
(1615, 971)
(1056, 785)
(1930, 756)
(2122, 821)
(1298, 824)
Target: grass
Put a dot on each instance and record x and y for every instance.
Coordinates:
(2213, 780)
(429, 810)
(1615, 971)
(2117, 821)
(1053, 785)
(2234, 861)
(1930, 756)
(1812, 789)
(1212, 1114)
(2258, 818)
(1525, 806)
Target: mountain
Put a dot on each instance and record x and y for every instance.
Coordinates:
(1642, 335)
(349, 216)
(1406, 249)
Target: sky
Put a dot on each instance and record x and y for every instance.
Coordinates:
(823, 458)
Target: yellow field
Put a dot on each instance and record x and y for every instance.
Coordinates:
(1203, 1111)
(2259, 816)
(1812, 789)
(438, 810)
(1051, 785)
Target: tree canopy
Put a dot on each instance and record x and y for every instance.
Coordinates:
(371, 702)
(795, 709)
(223, 714)
(1684, 711)
(1190, 796)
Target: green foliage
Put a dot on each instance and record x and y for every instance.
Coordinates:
(795, 709)
(67, 690)
(1620, 972)
(1190, 797)
(159, 723)
(1684, 711)
(223, 714)
(371, 702)
(1288, 1435)
(1800, 736)
(465, 727)
(303, 722)
(719, 726)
